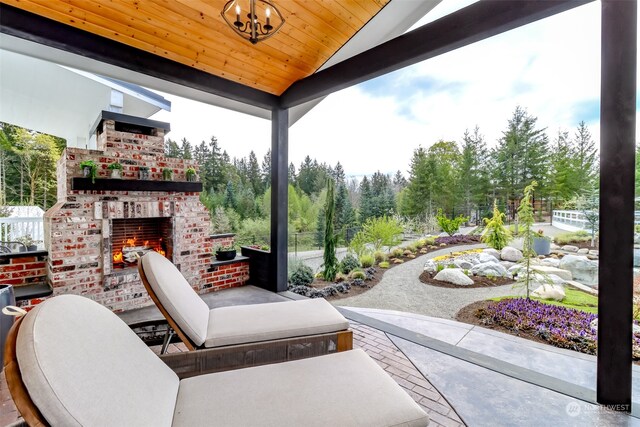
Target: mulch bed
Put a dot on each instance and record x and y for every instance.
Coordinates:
(467, 314)
(478, 281)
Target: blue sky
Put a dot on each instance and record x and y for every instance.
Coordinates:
(552, 68)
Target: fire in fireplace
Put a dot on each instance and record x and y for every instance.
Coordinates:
(134, 237)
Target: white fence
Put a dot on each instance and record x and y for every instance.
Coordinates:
(576, 220)
(12, 228)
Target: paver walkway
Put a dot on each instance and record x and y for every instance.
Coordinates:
(401, 289)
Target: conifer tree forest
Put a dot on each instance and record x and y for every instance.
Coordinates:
(459, 177)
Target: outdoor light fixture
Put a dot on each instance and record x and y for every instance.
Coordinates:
(254, 29)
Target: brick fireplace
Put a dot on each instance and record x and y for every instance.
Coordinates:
(91, 232)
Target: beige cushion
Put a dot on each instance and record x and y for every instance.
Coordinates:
(182, 303)
(82, 365)
(262, 322)
(341, 389)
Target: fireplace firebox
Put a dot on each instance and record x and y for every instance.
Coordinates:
(133, 237)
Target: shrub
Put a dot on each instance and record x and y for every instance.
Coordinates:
(379, 256)
(457, 240)
(421, 243)
(384, 264)
(348, 263)
(430, 240)
(407, 253)
(397, 252)
(413, 247)
(574, 237)
(495, 234)
(439, 268)
(450, 226)
(379, 232)
(301, 275)
(340, 277)
(357, 274)
(367, 260)
(560, 326)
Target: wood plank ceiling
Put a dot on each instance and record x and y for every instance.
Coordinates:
(193, 33)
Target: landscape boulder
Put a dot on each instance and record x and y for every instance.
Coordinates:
(487, 257)
(551, 262)
(582, 269)
(463, 263)
(430, 266)
(511, 254)
(490, 269)
(553, 292)
(548, 270)
(570, 248)
(493, 252)
(507, 264)
(454, 276)
(583, 251)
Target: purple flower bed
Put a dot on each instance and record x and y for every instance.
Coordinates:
(457, 240)
(560, 326)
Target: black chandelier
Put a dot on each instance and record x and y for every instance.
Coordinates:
(253, 29)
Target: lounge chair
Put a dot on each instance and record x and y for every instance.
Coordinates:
(279, 323)
(72, 362)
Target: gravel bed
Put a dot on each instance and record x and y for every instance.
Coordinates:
(401, 289)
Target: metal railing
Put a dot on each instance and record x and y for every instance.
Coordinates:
(13, 228)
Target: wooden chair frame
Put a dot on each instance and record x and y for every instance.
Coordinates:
(17, 388)
(344, 339)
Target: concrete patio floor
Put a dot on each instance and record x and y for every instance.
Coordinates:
(460, 374)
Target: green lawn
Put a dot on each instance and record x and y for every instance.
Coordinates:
(575, 299)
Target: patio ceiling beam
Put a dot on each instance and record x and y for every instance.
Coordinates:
(19, 23)
(617, 175)
(476, 22)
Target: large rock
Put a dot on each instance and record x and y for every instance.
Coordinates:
(594, 326)
(570, 248)
(493, 252)
(463, 264)
(510, 254)
(552, 262)
(430, 266)
(492, 269)
(582, 269)
(454, 276)
(583, 251)
(487, 257)
(545, 269)
(554, 292)
(507, 264)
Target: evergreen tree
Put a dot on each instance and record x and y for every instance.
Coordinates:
(229, 197)
(366, 207)
(253, 174)
(521, 156)
(330, 260)
(213, 167)
(442, 164)
(338, 174)
(172, 149)
(293, 177)
(474, 175)
(399, 182)
(562, 174)
(320, 228)
(186, 149)
(265, 170)
(586, 158)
